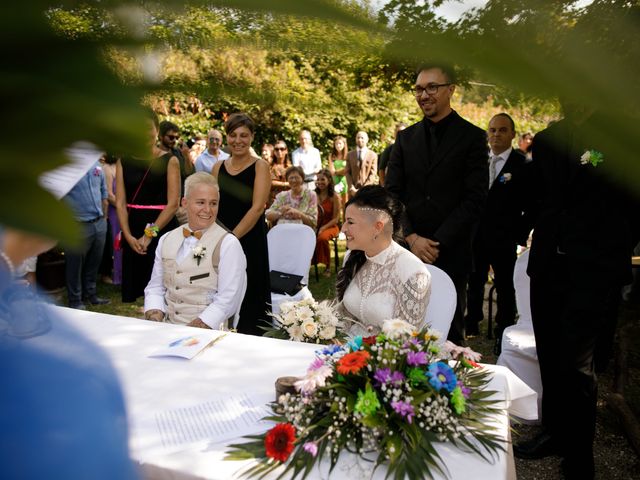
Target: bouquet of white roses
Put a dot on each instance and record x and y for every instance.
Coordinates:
(305, 321)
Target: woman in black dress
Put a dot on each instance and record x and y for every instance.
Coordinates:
(147, 193)
(245, 182)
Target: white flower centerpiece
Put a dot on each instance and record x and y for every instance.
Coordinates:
(305, 321)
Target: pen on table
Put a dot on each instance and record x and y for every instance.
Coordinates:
(212, 343)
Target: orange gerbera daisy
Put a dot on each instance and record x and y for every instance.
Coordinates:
(353, 362)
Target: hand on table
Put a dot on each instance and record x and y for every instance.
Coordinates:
(198, 324)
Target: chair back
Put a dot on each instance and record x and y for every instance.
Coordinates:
(521, 282)
(442, 303)
(291, 247)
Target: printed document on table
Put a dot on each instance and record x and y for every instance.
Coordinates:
(213, 421)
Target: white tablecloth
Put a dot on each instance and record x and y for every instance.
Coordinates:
(247, 364)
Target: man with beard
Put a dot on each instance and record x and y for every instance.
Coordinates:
(438, 169)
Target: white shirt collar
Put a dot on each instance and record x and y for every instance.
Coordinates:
(504, 155)
(381, 257)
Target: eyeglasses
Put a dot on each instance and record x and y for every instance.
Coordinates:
(431, 88)
(280, 149)
(214, 139)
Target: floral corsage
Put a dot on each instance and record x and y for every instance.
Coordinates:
(504, 178)
(151, 230)
(198, 253)
(593, 157)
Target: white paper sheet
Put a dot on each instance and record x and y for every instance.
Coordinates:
(62, 179)
(215, 421)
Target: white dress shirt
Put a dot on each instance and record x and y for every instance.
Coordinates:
(502, 159)
(310, 162)
(206, 161)
(231, 278)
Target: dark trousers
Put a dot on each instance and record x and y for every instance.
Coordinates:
(456, 332)
(503, 260)
(82, 264)
(569, 310)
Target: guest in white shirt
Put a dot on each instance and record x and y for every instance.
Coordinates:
(199, 270)
(308, 158)
(213, 154)
(380, 279)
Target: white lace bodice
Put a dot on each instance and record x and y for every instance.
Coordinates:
(392, 284)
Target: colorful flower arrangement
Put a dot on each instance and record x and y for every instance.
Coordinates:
(394, 394)
(305, 321)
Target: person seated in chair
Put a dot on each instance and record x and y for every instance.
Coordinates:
(199, 268)
(380, 279)
(297, 205)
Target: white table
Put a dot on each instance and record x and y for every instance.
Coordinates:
(246, 364)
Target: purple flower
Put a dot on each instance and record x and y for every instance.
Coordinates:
(465, 390)
(382, 375)
(316, 364)
(311, 448)
(417, 358)
(412, 341)
(404, 409)
(442, 376)
(385, 375)
(396, 378)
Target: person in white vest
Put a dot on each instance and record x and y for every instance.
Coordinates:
(200, 268)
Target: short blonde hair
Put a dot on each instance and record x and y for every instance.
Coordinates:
(199, 178)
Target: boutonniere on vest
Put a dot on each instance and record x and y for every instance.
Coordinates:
(504, 178)
(593, 157)
(97, 171)
(198, 253)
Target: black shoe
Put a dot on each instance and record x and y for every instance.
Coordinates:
(471, 328)
(96, 300)
(540, 446)
(78, 306)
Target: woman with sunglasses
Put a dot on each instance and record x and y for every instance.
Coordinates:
(279, 164)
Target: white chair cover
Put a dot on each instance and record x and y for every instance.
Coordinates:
(291, 247)
(442, 303)
(518, 341)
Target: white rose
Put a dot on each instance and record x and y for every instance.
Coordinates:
(310, 328)
(396, 328)
(308, 302)
(295, 333)
(328, 332)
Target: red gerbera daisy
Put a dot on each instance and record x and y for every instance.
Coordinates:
(352, 362)
(278, 443)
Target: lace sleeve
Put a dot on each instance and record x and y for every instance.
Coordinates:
(412, 298)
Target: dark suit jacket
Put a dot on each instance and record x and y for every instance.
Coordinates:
(367, 174)
(583, 213)
(502, 223)
(444, 196)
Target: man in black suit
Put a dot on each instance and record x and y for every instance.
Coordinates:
(438, 169)
(580, 258)
(501, 228)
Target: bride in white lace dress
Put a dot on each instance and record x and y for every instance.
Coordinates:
(380, 279)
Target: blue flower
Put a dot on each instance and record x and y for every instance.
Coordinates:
(442, 376)
(330, 350)
(355, 343)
